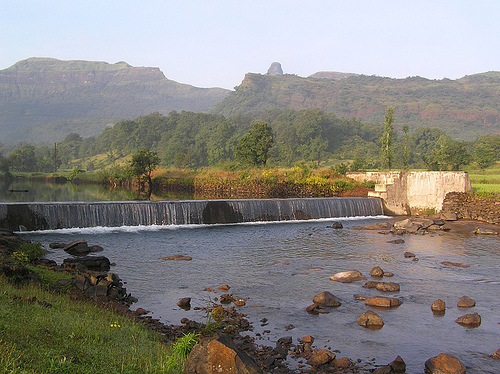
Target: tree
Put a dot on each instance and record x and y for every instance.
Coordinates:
(484, 155)
(143, 163)
(406, 149)
(451, 153)
(253, 147)
(387, 138)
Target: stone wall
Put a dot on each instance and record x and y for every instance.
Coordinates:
(470, 206)
(414, 192)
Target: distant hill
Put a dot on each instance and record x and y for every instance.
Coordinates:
(44, 99)
(465, 108)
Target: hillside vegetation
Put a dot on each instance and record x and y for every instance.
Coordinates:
(91, 95)
(464, 108)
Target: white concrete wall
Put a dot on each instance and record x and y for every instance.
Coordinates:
(414, 192)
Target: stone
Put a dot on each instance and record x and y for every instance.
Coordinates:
(275, 69)
(219, 354)
(347, 276)
(438, 306)
(321, 357)
(370, 319)
(96, 248)
(77, 248)
(469, 320)
(370, 284)
(177, 258)
(496, 355)
(239, 302)
(226, 298)
(396, 241)
(316, 309)
(383, 302)
(184, 303)
(141, 311)
(466, 302)
(444, 363)
(342, 363)
(307, 339)
(455, 264)
(398, 366)
(327, 299)
(377, 272)
(449, 216)
(224, 287)
(387, 287)
(337, 225)
(481, 231)
(57, 245)
(409, 254)
(95, 263)
(388, 274)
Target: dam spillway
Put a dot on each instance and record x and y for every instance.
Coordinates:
(59, 215)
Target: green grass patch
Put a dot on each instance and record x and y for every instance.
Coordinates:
(42, 332)
(492, 188)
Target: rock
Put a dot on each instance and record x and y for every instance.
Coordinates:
(141, 311)
(77, 248)
(239, 302)
(370, 284)
(496, 354)
(347, 276)
(219, 354)
(387, 287)
(275, 69)
(383, 302)
(95, 263)
(409, 254)
(307, 339)
(469, 320)
(396, 241)
(444, 363)
(184, 303)
(316, 309)
(398, 366)
(342, 363)
(321, 357)
(438, 306)
(388, 274)
(337, 225)
(327, 299)
(370, 319)
(456, 264)
(466, 302)
(96, 248)
(377, 272)
(57, 245)
(224, 287)
(177, 258)
(481, 231)
(449, 216)
(226, 298)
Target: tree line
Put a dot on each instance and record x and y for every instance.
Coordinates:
(276, 137)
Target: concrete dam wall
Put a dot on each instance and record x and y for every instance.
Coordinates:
(414, 192)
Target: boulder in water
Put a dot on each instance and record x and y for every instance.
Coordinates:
(347, 276)
(444, 363)
(438, 306)
(327, 299)
(469, 320)
(77, 248)
(466, 302)
(398, 366)
(370, 319)
(383, 302)
(95, 263)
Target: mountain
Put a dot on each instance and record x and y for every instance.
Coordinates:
(465, 108)
(44, 99)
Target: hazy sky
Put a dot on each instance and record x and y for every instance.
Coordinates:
(213, 43)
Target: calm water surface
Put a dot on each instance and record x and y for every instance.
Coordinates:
(281, 266)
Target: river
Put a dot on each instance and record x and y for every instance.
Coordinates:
(279, 267)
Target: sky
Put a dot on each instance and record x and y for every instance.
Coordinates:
(214, 43)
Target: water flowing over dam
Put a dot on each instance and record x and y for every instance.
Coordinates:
(47, 216)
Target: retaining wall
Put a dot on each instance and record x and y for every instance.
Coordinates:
(414, 192)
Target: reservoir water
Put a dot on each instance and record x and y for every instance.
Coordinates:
(280, 266)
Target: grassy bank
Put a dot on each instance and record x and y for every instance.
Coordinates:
(485, 181)
(43, 329)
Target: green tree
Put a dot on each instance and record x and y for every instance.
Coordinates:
(23, 158)
(406, 148)
(387, 138)
(484, 155)
(253, 147)
(449, 153)
(143, 163)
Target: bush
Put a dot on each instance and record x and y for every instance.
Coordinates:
(28, 252)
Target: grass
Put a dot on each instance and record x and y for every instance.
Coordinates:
(42, 332)
(487, 180)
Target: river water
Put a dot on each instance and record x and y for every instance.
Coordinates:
(279, 267)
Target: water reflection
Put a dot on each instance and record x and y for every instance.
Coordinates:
(19, 190)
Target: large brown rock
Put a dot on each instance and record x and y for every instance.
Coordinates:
(398, 366)
(466, 302)
(370, 319)
(321, 357)
(219, 354)
(77, 248)
(444, 363)
(470, 320)
(347, 276)
(438, 306)
(94, 263)
(377, 272)
(327, 299)
(387, 287)
(383, 302)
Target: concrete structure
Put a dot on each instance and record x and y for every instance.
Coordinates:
(414, 192)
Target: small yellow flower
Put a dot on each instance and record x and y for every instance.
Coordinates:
(115, 324)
